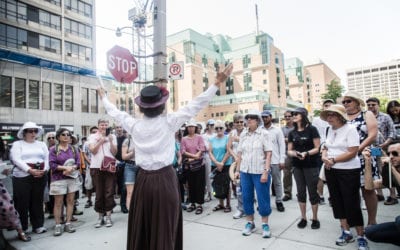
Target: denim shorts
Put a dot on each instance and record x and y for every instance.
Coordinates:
(130, 173)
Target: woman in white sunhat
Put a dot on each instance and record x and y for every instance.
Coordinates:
(155, 201)
(31, 160)
(342, 171)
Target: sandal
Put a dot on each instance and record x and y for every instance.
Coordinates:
(199, 210)
(227, 209)
(24, 237)
(218, 207)
(191, 208)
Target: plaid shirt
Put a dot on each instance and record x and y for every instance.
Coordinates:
(385, 127)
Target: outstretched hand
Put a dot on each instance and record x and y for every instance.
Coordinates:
(222, 76)
(102, 92)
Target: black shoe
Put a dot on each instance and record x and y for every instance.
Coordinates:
(286, 198)
(302, 223)
(380, 197)
(280, 207)
(321, 200)
(315, 224)
(124, 209)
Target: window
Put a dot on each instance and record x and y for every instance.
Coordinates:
(78, 29)
(46, 96)
(20, 90)
(78, 51)
(172, 57)
(247, 82)
(85, 100)
(264, 81)
(58, 97)
(13, 10)
(50, 44)
(5, 91)
(69, 98)
(246, 60)
(93, 101)
(204, 61)
(80, 7)
(33, 94)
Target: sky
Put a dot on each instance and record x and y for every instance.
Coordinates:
(344, 34)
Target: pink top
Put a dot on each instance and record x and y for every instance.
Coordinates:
(192, 145)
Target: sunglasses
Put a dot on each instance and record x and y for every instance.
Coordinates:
(346, 101)
(65, 134)
(288, 116)
(394, 153)
(371, 105)
(252, 117)
(219, 128)
(30, 131)
(50, 138)
(239, 121)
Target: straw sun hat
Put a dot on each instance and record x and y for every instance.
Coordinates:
(339, 109)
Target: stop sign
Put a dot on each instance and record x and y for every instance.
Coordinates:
(121, 64)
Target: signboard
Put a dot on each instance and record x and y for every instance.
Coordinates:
(175, 71)
(122, 65)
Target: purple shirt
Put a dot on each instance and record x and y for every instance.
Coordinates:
(59, 158)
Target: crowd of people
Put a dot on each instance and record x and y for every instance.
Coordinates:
(165, 163)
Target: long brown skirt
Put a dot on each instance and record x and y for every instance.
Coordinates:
(155, 215)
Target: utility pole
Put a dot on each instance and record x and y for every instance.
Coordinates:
(160, 41)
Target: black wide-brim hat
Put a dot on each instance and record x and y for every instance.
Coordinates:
(152, 96)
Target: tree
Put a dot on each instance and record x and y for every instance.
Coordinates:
(335, 90)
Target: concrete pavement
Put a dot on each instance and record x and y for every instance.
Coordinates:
(210, 230)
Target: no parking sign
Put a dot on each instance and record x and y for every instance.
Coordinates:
(175, 71)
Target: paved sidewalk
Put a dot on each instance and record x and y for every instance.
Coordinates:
(210, 230)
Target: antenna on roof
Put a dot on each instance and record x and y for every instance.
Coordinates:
(257, 28)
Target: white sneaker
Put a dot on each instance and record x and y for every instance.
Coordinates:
(40, 230)
(266, 232)
(238, 214)
(249, 228)
(99, 223)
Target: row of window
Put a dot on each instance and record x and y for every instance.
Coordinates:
(52, 96)
(22, 39)
(21, 12)
(373, 70)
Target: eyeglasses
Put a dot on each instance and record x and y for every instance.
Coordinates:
(346, 101)
(239, 121)
(288, 116)
(50, 138)
(394, 153)
(30, 131)
(219, 128)
(65, 134)
(252, 117)
(371, 105)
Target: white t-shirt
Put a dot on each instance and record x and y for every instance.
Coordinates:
(337, 143)
(96, 159)
(23, 152)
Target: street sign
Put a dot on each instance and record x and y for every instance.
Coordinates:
(122, 65)
(175, 71)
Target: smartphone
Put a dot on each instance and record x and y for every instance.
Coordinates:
(376, 151)
(108, 131)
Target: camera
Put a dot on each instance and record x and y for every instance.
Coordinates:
(108, 131)
(376, 151)
(37, 165)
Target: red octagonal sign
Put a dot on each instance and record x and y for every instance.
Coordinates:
(121, 64)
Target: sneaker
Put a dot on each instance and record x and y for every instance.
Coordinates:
(99, 223)
(286, 198)
(315, 224)
(391, 201)
(302, 223)
(322, 200)
(280, 207)
(69, 228)
(40, 230)
(77, 212)
(266, 233)
(108, 222)
(238, 214)
(58, 230)
(345, 238)
(249, 228)
(88, 204)
(362, 243)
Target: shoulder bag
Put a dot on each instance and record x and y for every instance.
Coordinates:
(109, 164)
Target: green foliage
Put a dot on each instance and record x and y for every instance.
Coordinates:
(335, 90)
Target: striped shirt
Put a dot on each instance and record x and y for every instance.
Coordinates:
(252, 146)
